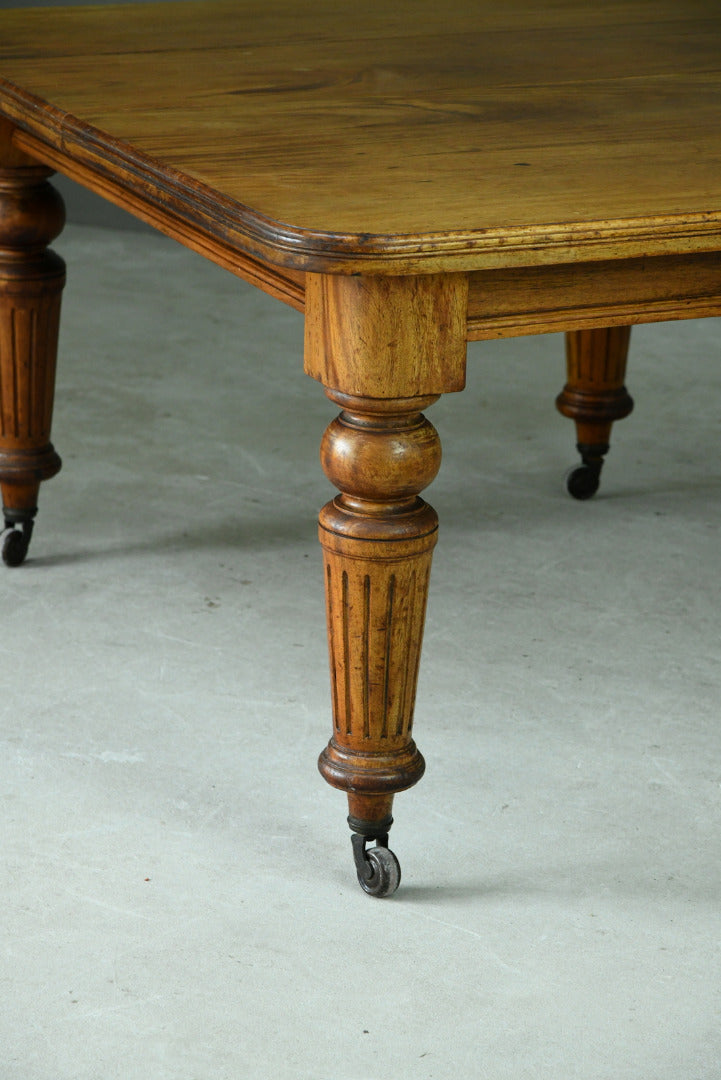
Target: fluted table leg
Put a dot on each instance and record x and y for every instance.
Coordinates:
(31, 281)
(385, 349)
(377, 537)
(594, 397)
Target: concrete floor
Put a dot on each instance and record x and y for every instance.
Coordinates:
(177, 888)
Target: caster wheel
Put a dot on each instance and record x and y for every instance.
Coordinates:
(15, 547)
(381, 873)
(582, 481)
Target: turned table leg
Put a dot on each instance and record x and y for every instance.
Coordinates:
(378, 537)
(385, 349)
(594, 396)
(31, 281)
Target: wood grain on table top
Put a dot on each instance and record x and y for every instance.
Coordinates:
(411, 134)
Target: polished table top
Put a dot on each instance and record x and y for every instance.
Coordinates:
(409, 136)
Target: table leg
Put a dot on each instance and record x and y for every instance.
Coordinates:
(385, 349)
(594, 396)
(31, 281)
(378, 537)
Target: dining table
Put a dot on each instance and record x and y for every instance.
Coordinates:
(409, 175)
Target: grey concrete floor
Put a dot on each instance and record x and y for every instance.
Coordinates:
(177, 891)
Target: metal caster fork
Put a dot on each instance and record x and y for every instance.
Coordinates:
(379, 872)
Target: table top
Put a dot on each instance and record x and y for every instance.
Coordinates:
(403, 136)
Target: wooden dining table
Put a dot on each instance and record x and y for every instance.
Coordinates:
(410, 175)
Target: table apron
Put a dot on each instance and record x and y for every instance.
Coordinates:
(586, 296)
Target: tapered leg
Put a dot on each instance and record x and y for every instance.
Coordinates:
(385, 349)
(378, 537)
(31, 281)
(594, 396)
